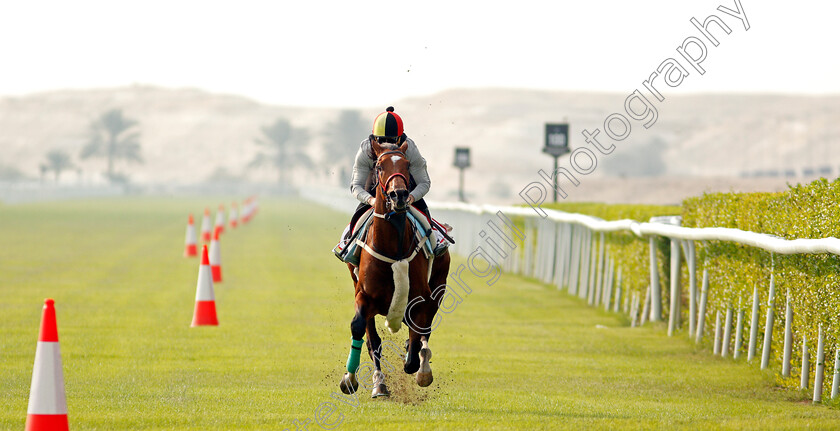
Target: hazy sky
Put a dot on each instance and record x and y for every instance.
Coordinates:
(363, 53)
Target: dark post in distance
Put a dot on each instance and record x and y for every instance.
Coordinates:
(462, 161)
(556, 144)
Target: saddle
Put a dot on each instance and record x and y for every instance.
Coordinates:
(351, 253)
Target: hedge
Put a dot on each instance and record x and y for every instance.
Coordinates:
(811, 281)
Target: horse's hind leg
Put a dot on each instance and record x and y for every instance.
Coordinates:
(349, 384)
(420, 322)
(375, 350)
(438, 284)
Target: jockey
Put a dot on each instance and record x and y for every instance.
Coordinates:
(388, 128)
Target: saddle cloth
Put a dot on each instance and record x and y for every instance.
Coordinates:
(351, 253)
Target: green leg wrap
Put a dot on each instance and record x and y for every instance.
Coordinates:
(353, 358)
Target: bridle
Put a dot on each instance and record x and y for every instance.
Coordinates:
(384, 185)
(416, 245)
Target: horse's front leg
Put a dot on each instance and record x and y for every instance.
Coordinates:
(375, 350)
(349, 384)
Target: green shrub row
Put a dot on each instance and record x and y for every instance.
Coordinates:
(811, 281)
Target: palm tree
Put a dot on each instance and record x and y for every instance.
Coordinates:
(282, 148)
(57, 161)
(110, 138)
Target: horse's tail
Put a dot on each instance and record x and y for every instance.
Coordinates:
(400, 298)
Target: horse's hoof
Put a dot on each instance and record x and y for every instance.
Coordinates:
(424, 379)
(380, 391)
(349, 384)
(424, 374)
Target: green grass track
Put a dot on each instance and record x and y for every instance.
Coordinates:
(517, 355)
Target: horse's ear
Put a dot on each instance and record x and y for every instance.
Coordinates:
(375, 146)
(404, 146)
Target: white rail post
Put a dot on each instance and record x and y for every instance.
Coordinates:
(559, 270)
(617, 299)
(655, 292)
(608, 293)
(552, 247)
(593, 266)
(590, 252)
(676, 290)
(646, 307)
(567, 255)
(739, 331)
(768, 326)
(567, 259)
(691, 261)
(727, 332)
(600, 268)
(806, 364)
(586, 262)
(818, 378)
(579, 264)
(545, 250)
(574, 262)
(753, 325)
(701, 317)
(570, 258)
(718, 334)
(835, 383)
(530, 242)
(608, 279)
(788, 337)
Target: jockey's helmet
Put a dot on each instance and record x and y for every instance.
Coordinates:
(388, 127)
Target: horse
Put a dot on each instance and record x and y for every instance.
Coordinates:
(393, 272)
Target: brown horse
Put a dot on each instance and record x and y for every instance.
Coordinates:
(393, 272)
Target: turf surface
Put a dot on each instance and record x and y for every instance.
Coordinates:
(517, 355)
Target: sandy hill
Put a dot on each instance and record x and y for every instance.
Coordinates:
(189, 134)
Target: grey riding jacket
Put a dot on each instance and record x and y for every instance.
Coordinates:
(363, 171)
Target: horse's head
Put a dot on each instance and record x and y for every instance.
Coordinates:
(392, 173)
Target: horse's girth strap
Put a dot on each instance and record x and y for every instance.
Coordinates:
(382, 257)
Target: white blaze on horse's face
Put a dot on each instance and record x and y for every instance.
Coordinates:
(395, 159)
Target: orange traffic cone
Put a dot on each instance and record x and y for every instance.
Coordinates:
(246, 211)
(205, 226)
(220, 219)
(190, 249)
(47, 405)
(232, 216)
(205, 300)
(216, 257)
